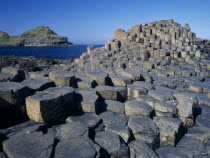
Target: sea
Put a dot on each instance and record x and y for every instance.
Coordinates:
(46, 52)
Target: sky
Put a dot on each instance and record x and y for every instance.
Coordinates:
(94, 21)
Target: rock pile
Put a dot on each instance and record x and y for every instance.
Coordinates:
(146, 93)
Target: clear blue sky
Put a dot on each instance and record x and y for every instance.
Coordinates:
(94, 21)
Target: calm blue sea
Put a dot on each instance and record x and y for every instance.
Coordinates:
(46, 52)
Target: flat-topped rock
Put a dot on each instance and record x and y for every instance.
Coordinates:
(112, 143)
(77, 148)
(114, 106)
(161, 95)
(84, 103)
(118, 80)
(63, 78)
(101, 78)
(134, 91)
(38, 84)
(165, 109)
(142, 125)
(6, 77)
(68, 98)
(91, 120)
(85, 82)
(44, 107)
(121, 93)
(132, 74)
(18, 74)
(136, 147)
(187, 107)
(201, 133)
(37, 74)
(29, 145)
(143, 84)
(137, 108)
(106, 92)
(71, 130)
(113, 118)
(120, 129)
(12, 94)
(170, 129)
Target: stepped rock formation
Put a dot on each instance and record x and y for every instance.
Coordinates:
(146, 93)
(41, 36)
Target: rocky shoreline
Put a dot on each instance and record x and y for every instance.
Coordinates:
(145, 94)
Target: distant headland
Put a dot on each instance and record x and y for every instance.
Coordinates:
(42, 36)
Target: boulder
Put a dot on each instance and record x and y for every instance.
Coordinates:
(138, 108)
(118, 34)
(29, 145)
(112, 144)
(44, 107)
(77, 148)
(63, 78)
(165, 109)
(121, 93)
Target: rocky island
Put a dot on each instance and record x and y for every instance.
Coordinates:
(42, 36)
(145, 94)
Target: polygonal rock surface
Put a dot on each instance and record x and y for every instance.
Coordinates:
(120, 129)
(106, 92)
(19, 75)
(68, 100)
(37, 74)
(12, 93)
(187, 107)
(165, 109)
(101, 78)
(71, 130)
(199, 132)
(113, 118)
(77, 148)
(118, 80)
(84, 103)
(29, 145)
(161, 95)
(133, 74)
(6, 77)
(114, 106)
(139, 149)
(191, 146)
(91, 120)
(121, 93)
(44, 107)
(170, 129)
(63, 78)
(112, 143)
(85, 82)
(137, 108)
(135, 90)
(143, 125)
(146, 85)
(38, 84)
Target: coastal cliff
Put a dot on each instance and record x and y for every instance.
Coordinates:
(42, 36)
